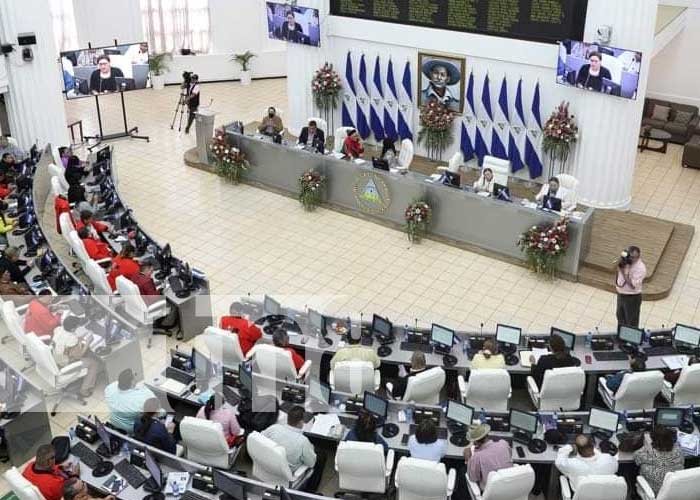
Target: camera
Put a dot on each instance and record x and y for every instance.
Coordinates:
(625, 258)
(186, 79)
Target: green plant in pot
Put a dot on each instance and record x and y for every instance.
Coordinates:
(244, 60)
(158, 66)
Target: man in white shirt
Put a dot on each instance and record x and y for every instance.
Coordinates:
(554, 190)
(583, 459)
(69, 348)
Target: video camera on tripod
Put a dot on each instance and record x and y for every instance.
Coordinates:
(187, 78)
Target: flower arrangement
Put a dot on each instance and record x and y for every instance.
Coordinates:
(544, 245)
(436, 128)
(560, 134)
(325, 87)
(230, 161)
(417, 216)
(311, 184)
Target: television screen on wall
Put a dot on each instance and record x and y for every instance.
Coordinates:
(599, 68)
(105, 70)
(293, 24)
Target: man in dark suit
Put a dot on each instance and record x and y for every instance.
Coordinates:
(313, 136)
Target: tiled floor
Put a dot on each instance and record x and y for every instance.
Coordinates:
(252, 241)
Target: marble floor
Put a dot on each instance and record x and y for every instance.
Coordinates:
(250, 240)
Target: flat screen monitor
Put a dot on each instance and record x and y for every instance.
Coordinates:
(603, 420)
(375, 405)
(551, 203)
(568, 337)
(443, 336)
(630, 335)
(599, 68)
(293, 24)
(381, 326)
(669, 417)
(104, 154)
(271, 306)
(316, 320)
(459, 413)
(103, 434)
(452, 179)
(203, 368)
(523, 421)
(508, 334)
(319, 391)
(105, 70)
(154, 469)
(687, 335)
(233, 489)
(245, 377)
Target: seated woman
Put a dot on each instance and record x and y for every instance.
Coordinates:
(659, 455)
(553, 189)
(6, 224)
(222, 413)
(96, 249)
(417, 366)
(352, 147)
(424, 444)
(149, 429)
(123, 264)
(365, 430)
(485, 182)
(488, 357)
(560, 358)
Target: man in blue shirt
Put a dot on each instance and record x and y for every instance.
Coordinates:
(125, 401)
(614, 381)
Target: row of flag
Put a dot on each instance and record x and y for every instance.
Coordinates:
(384, 108)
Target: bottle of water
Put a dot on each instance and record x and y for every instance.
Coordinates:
(71, 435)
(589, 339)
(348, 325)
(125, 451)
(465, 346)
(482, 416)
(624, 419)
(405, 333)
(409, 414)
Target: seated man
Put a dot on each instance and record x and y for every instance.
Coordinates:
(48, 477)
(352, 146)
(69, 348)
(281, 339)
(95, 227)
(313, 136)
(125, 401)
(150, 293)
(354, 351)
(614, 380)
(554, 190)
(75, 489)
(18, 293)
(39, 318)
(17, 267)
(248, 332)
(96, 249)
(582, 459)
(271, 124)
(487, 456)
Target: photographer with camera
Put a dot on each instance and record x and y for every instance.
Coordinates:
(191, 97)
(629, 277)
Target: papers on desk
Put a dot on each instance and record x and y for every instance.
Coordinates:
(536, 352)
(689, 444)
(324, 424)
(339, 156)
(675, 362)
(434, 178)
(176, 478)
(359, 161)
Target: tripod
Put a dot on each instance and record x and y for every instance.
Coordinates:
(181, 107)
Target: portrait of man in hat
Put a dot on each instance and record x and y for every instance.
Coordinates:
(442, 80)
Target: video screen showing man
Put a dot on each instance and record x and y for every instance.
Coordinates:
(293, 24)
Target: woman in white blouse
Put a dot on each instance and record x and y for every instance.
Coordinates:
(485, 182)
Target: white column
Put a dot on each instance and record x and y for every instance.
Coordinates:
(34, 100)
(606, 153)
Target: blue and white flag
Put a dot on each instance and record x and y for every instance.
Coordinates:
(497, 148)
(533, 144)
(501, 125)
(405, 116)
(349, 100)
(469, 130)
(518, 132)
(391, 104)
(376, 103)
(484, 123)
(363, 101)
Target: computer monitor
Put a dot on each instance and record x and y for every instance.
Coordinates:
(319, 391)
(442, 336)
(103, 434)
(271, 306)
(375, 405)
(104, 154)
(630, 335)
(523, 421)
(232, 489)
(381, 326)
(203, 368)
(317, 321)
(508, 334)
(112, 329)
(459, 413)
(551, 203)
(153, 469)
(603, 420)
(669, 417)
(46, 262)
(452, 179)
(501, 192)
(568, 337)
(245, 378)
(687, 335)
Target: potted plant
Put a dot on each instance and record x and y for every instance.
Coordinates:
(311, 185)
(544, 245)
(560, 135)
(230, 161)
(158, 65)
(244, 60)
(417, 216)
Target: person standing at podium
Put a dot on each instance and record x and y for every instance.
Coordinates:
(629, 278)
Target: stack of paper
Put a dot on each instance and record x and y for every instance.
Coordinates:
(323, 423)
(536, 352)
(177, 478)
(675, 362)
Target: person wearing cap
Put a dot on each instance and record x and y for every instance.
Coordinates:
(441, 76)
(69, 348)
(354, 351)
(484, 455)
(583, 459)
(352, 146)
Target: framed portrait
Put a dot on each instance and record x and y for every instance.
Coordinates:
(442, 79)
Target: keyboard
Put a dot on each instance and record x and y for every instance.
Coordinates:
(413, 346)
(86, 455)
(191, 495)
(662, 350)
(610, 356)
(173, 386)
(130, 473)
(441, 431)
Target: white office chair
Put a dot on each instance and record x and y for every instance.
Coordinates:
(354, 377)
(636, 392)
(224, 347)
(270, 463)
(513, 483)
(487, 389)
(100, 285)
(687, 388)
(405, 155)
(340, 134)
(425, 387)
(499, 167)
(320, 124)
(570, 183)
(21, 487)
(561, 389)
(417, 479)
(678, 485)
(56, 188)
(206, 443)
(136, 307)
(66, 225)
(598, 487)
(57, 171)
(615, 67)
(15, 324)
(78, 248)
(275, 362)
(362, 467)
(63, 381)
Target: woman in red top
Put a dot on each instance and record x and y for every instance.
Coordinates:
(352, 146)
(60, 206)
(39, 318)
(86, 220)
(248, 333)
(95, 249)
(123, 264)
